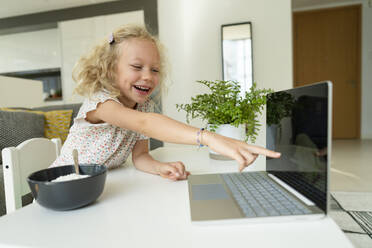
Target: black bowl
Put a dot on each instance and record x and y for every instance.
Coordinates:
(66, 195)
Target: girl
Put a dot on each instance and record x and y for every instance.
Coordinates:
(117, 77)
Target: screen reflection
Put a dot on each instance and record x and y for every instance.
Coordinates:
(297, 126)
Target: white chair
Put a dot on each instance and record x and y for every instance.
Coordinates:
(19, 162)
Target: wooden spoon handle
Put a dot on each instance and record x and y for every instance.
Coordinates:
(75, 155)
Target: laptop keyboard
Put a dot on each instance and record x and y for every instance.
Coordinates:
(257, 195)
(316, 190)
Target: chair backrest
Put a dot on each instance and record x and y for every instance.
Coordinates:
(19, 162)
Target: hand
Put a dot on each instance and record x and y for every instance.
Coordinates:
(173, 171)
(242, 152)
(322, 152)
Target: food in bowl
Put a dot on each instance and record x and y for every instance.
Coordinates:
(71, 194)
(72, 176)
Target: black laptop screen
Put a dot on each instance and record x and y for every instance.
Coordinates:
(297, 126)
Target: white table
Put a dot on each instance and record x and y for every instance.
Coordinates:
(142, 210)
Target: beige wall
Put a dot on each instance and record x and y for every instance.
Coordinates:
(190, 30)
(30, 51)
(16, 92)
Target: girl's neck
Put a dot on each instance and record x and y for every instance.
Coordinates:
(127, 103)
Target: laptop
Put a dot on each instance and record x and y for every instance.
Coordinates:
(294, 186)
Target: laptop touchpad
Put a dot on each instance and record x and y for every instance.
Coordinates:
(209, 192)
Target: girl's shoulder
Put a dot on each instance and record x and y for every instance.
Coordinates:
(101, 96)
(91, 104)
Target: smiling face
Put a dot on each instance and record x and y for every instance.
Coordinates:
(137, 71)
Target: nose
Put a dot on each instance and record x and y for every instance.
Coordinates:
(147, 75)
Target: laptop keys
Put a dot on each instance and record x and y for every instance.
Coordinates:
(258, 196)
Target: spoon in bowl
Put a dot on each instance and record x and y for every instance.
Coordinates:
(76, 160)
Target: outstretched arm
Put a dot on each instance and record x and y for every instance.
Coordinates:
(166, 129)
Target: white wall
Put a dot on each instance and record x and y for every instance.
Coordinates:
(17, 92)
(366, 81)
(190, 29)
(30, 51)
(366, 132)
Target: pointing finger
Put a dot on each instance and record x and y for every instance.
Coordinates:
(264, 151)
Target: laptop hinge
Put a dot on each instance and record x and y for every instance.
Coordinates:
(292, 190)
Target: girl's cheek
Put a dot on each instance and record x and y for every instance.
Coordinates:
(157, 82)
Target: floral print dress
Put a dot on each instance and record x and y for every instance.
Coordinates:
(102, 143)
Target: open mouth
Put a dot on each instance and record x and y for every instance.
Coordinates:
(141, 88)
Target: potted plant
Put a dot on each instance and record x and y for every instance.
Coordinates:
(226, 105)
(279, 106)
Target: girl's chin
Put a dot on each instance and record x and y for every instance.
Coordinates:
(142, 99)
(136, 98)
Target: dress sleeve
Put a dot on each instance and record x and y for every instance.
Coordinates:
(91, 103)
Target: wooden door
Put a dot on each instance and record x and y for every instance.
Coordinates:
(327, 45)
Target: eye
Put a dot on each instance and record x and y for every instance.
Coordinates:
(137, 67)
(155, 70)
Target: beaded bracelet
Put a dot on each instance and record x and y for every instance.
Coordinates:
(199, 137)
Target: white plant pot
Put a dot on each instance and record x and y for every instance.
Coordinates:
(271, 133)
(228, 131)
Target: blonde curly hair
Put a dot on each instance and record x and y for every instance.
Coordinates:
(96, 70)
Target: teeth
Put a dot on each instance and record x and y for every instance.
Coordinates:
(142, 88)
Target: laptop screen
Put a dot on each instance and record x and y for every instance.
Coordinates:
(297, 126)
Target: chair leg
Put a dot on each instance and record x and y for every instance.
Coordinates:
(11, 179)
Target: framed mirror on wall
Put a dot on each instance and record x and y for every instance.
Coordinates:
(237, 57)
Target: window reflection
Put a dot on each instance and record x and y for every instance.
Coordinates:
(297, 127)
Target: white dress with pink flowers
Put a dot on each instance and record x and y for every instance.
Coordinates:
(102, 143)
